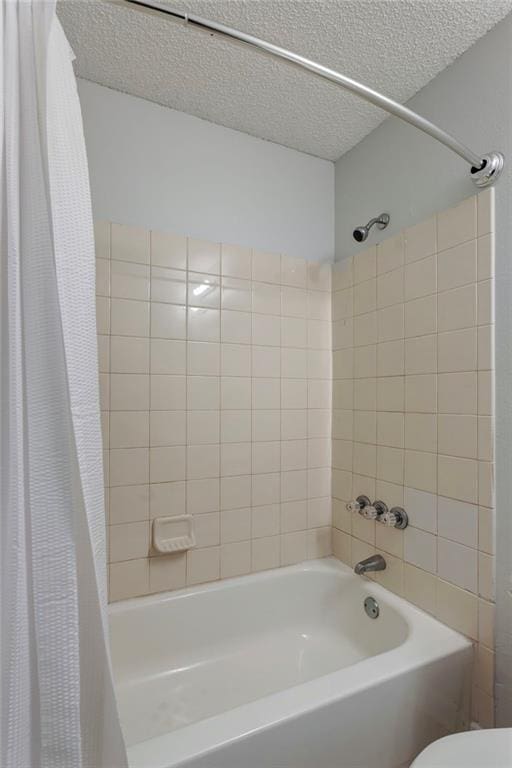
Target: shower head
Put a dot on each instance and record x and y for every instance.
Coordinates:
(361, 233)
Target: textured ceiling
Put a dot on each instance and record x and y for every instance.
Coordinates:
(395, 46)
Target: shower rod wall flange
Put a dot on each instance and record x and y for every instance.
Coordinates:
(485, 169)
(491, 169)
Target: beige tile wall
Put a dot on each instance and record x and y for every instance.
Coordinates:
(215, 366)
(413, 418)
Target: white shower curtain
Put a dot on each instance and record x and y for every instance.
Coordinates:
(57, 703)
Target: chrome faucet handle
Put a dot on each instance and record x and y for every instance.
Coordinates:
(395, 518)
(389, 519)
(370, 512)
(357, 505)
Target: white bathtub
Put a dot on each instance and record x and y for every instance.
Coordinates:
(284, 669)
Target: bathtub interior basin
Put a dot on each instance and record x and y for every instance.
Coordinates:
(244, 653)
(194, 653)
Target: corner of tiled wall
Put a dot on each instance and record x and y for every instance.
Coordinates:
(413, 418)
(215, 367)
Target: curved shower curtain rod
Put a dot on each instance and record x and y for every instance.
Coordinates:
(484, 169)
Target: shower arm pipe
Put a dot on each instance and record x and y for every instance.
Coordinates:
(484, 169)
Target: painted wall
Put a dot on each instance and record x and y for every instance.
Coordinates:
(158, 168)
(399, 170)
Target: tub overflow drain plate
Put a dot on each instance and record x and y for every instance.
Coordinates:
(371, 607)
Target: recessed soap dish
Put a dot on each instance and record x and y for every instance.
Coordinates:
(173, 534)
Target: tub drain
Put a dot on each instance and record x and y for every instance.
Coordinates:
(371, 607)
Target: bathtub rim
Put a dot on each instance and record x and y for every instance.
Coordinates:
(329, 564)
